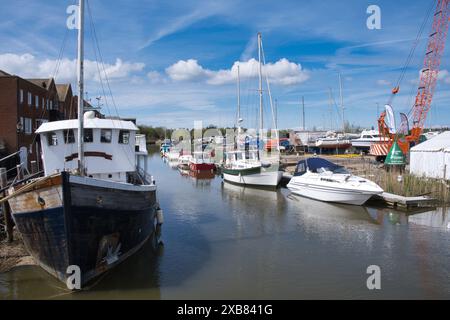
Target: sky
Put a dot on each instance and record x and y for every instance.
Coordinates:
(170, 63)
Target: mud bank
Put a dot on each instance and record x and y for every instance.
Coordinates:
(14, 254)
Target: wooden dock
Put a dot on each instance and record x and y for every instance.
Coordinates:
(402, 202)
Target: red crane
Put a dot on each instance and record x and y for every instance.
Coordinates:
(427, 84)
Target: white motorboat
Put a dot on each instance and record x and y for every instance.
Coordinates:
(323, 180)
(183, 162)
(173, 155)
(333, 141)
(366, 139)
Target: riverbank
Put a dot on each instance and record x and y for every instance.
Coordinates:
(14, 254)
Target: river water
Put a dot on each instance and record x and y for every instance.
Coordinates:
(222, 241)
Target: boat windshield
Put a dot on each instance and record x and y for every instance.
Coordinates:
(336, 169)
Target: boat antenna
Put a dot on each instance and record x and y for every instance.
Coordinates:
(80, 75)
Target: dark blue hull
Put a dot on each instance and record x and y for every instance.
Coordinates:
(95, 228)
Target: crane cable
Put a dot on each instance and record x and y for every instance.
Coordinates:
(416, 41)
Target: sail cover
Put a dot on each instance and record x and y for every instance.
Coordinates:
(390, 118)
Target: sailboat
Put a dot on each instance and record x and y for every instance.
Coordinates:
(333, 140)
(245, 167)
(95, 206)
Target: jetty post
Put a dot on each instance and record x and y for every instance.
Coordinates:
(5, 207)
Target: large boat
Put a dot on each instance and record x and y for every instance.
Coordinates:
(320, 179)
(95, 205)
(201, 161)
(333, 141)
(243, 167)
(366, 139)
(246, 167)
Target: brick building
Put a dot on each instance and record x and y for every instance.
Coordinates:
(24, 105)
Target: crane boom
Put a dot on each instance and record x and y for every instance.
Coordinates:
(427, 84)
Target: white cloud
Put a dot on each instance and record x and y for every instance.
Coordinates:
(282, 72)
(28, 66)
(186, 70)
(383, 82)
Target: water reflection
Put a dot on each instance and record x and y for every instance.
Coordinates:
(225, 241)
(133, 277)
(440, 218)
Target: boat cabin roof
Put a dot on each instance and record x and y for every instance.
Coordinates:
(89, 123)
(314, 164)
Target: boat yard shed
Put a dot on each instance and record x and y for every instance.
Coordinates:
(431, 158)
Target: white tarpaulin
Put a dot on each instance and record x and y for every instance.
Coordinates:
(432, 158)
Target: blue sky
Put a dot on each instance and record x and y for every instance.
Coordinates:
(173, 62)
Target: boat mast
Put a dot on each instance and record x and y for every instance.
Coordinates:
(276, 114)
(80, 74)
(342, 103)
(260, 89)
(303, 113)
(238, 101)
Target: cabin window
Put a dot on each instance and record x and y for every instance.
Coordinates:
(52, 139)
(106, 135)
(301, 168)
(69, 136)
(124, 137)
(88, 135)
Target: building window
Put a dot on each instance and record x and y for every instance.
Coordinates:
(36, 101)
(106, 136)
(21, 95)
(88, 135)
(28, 125)
(43, 103)
(47, 104)
(52, 139)
(124, 137)
(30, 97)
(69, 136)
(20, 125)
(51, 104)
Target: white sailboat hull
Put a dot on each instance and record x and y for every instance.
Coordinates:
(263, 178)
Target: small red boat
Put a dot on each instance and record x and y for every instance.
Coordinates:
(201, 161)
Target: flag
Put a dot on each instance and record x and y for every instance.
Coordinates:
(404, 124)
(390, 118)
